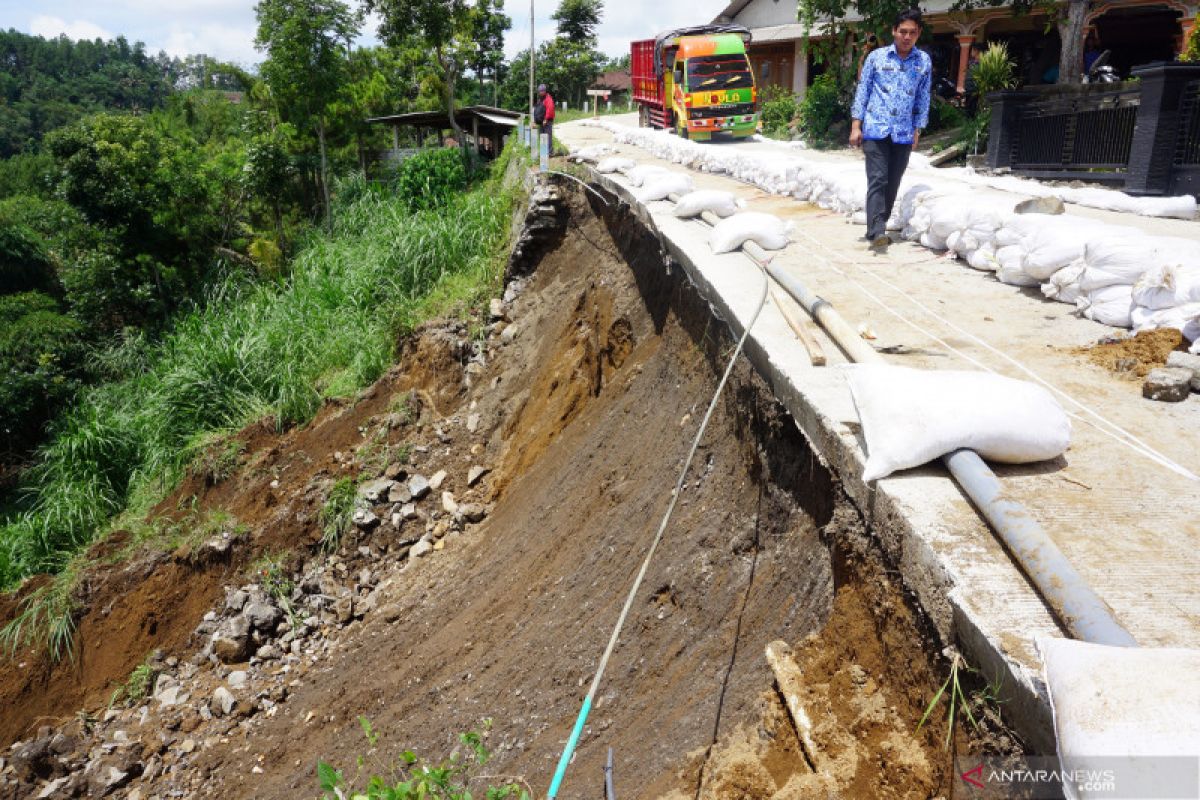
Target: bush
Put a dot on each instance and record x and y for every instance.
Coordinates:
(779, 110)
(944, 115)
(431, 177)
(994, 70)
(1192, 51)
(824, 105)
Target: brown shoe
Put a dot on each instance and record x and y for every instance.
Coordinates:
(880, 243)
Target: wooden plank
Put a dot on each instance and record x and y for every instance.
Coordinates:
(816, 354)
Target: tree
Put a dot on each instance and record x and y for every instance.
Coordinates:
(306, 43)
(447, 29)
(577, 19)
(490, 24)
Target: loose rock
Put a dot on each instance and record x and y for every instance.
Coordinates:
(231, 642)
(475, 473)
(449, 505)
(1188, 361)
(418, 486)
(437, 480)
(375, 491)
(262, 616)
(1167, 384)
(472, 512)
(223, 702)
(365, 519)
(421, 548)
(1041, 205)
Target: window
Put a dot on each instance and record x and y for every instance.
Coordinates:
(707, 73)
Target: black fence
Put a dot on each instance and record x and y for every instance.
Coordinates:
(1142, 136)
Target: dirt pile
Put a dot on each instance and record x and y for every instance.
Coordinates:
(1133, 357)
(554, 439)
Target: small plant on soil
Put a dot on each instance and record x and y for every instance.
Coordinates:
(136, 687)
(412, 778)
(272, 575)
(218, 457)
(47, 617)
(957, 701)
(337, 513)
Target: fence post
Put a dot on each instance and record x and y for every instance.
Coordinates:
(1002, 128)
(1156, 135)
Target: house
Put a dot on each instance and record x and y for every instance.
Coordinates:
(616, 81)
(1135, 31)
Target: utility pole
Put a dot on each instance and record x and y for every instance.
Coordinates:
(531, 57)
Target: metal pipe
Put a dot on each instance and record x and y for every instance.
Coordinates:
(1081, 611)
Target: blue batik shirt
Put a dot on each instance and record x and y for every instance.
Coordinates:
(893, 94)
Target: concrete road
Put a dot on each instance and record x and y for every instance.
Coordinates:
(1128, 522)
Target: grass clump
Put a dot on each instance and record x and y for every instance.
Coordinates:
(46, 617)
(412, 778)
(136, 687)
(338, 512)
(253, 350)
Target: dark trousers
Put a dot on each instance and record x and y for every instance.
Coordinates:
(886, 162)
(547, 128)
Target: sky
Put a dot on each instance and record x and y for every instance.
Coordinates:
(225, 29)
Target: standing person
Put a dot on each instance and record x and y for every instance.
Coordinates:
(891, 106)
(543, 114)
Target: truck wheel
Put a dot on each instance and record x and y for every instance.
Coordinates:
(683, 131)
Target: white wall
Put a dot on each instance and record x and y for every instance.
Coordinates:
(761, 13)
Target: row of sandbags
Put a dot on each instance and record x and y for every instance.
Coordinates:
(1154, 289)
(1113, 274)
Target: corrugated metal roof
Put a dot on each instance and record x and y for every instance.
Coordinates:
(462, 116)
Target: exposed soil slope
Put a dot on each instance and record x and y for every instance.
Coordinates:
(583, 412)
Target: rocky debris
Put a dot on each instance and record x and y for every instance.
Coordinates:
(449, 504)
(365, 519)
(439, 477)
(223, 702)
(496, 310)
(473, 422)
(395, 471)
(231, 642)
(421, 548)
(262, 615)
(418, 486)
(1041, 205)
(236, 679)
(472, 512)
(545, 224)
(475, 473)
(1189, 361)
(1167, 384)
(376, 491)
(399, 493)
(508, 334)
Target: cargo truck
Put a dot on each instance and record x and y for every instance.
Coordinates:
(696, 81)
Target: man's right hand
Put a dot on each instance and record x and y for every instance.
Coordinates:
(856, 134)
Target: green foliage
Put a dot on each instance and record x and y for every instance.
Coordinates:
(24, 263)
(956, 701)
(136, 686)
(41, 359)
(149, 200)
(567, 67)
(944, 115)
(994, 70)
(430, 178)
(825, 104)
(779, 111)
(1192, 51)
(336, 513)
(578, 19)
(46, 617)
(251, 350)
(46, 84)
(412, 778)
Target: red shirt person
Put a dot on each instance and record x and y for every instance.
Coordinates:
(543, 114)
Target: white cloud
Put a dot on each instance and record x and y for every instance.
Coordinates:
(623, 21)
(225, 42)
(51, 27)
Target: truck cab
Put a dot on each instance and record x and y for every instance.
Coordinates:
(697, 82)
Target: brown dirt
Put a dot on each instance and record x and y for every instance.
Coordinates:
(586, 418)
(1133, 358)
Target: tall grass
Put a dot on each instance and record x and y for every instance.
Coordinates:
(277, 349)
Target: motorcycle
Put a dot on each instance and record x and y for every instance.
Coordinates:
(1101, 71)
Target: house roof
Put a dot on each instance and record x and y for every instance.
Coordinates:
(437, 119)
(618, 80)
(732, 10)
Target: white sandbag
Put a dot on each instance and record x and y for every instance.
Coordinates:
(1116, 259)
(766, 230)
(912, 416)
(592, 152)
(1111, 305)
(638, 175)
(1116, 708)
(693, 204)
(615, 164)
(657, 187)
(1177, 317)
(1063, 285)
(932, 241)
(984, 258)
(1010, 266)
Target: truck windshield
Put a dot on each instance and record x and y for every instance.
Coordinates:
(718, 72)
